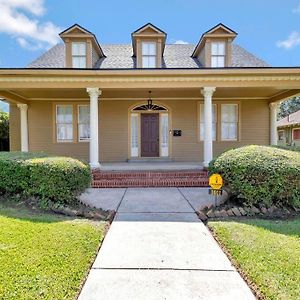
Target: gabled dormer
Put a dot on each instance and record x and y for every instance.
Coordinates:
(148, 43)
(82, 47)
(214, 49)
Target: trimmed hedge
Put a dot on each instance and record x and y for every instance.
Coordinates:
(261, 175)
(291, 148)
(59, 179)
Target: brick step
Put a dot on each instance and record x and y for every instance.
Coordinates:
(99, 175)
(150, 182)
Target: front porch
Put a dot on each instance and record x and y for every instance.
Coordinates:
(196, 114)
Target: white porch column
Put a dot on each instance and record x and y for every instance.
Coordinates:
(94, 127)
(207, 92)
(273, 121)
(24, 126)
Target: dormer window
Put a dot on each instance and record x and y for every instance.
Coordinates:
(79, 55)
(214, 50)
(148, 43)
(218, 54)
(82, 49)
(149, 55)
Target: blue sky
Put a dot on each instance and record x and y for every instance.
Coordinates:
(269, 29)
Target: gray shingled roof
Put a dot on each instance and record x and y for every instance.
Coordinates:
(120, 57)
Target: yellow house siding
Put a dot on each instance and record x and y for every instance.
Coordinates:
(114, 129)
(14, 128)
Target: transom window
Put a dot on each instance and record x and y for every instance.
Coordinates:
(218, 54)
(83, 123)
(79, 55)
(229, 122)
(64, 123)
(214, 122)
(149, 54)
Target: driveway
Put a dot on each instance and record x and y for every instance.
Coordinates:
(157, 248)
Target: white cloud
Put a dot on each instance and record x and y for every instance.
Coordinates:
(19, 18)
(293, 40)
(297, 9)
(180, 42)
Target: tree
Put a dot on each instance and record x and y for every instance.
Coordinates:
(288, 107)
(4, 131)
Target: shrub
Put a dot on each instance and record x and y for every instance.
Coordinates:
(261, 175)
(59, 179)
(291, 148)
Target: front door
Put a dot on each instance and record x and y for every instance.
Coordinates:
(149, 135)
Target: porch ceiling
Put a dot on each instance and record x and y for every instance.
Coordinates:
(140, 94)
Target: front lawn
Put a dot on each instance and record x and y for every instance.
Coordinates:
(45, 256)
(267, 251)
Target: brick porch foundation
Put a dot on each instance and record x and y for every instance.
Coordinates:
(121, 179)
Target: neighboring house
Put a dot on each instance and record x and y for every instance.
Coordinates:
(148, 99)
(289, 130)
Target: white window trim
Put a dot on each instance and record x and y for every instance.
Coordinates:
(80, 140)
(237, 123)
(164, 149)
(218, 55)
(147, 55)
(64, 141)
(202, 122)
(296, 128)
(134, 151)
(79, 56)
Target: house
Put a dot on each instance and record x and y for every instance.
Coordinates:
(147, 100)
(289, 130)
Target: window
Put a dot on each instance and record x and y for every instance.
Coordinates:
(214, 122)
(83, 123)
(148, 55)
(296, 134)
(280, 135)
(64, 123)
(79, 55)
(229, 122)
(134, 135)
(218, 54)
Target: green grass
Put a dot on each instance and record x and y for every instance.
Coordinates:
(45, 256)
(267, 251)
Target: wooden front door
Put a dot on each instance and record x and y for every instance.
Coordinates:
(149, 135)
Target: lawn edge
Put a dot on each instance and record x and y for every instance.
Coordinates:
(106, 228)
(254, 288)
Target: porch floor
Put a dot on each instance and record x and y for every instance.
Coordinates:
(151, 166)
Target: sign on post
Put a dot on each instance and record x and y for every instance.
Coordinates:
(216, 183)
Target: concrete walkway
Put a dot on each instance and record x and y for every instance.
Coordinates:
(156, 248)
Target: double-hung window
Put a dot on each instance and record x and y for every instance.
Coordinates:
(64, 123)
(83, 123)
(229, 122)
(218, 54)
(149, 55)
(79, 55)
(214, 122)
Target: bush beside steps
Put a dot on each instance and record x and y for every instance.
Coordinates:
(56, 179)
(260, 175)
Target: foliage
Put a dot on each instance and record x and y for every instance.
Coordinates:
(267, 252)
(291, 148)
(59, 179)
(261, 175)
(45, 256)
(288, 107)
(4, 125)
